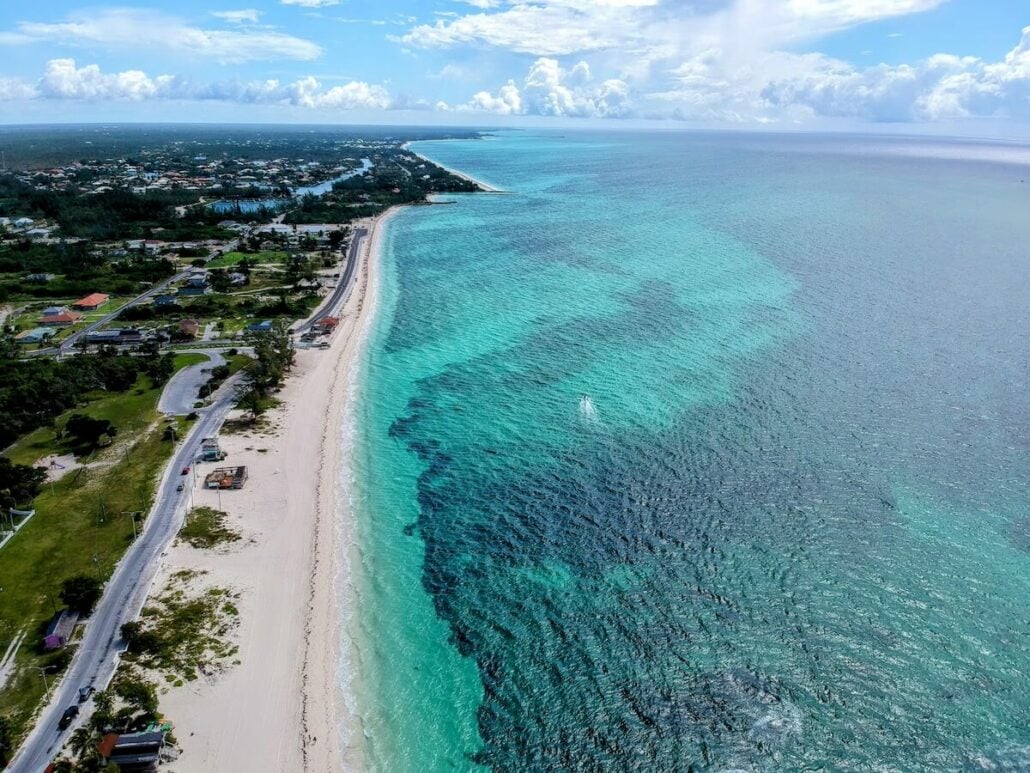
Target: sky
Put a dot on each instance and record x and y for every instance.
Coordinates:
(912, 65)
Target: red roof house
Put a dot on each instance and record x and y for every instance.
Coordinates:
(91, 302)
(59, 319)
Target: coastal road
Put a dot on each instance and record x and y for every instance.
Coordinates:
(340, 291)
(96, 657)
(68, 345)
(181, 392)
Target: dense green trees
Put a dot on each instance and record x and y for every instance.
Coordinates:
(273, 358)
(81, 593)
(19, 483)
(91, 432)
(35, 392)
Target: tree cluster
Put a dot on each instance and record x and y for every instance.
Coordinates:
(19, 483)
(273, 358)
(34, 392)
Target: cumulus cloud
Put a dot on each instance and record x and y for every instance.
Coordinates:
(551, 90)
(63, 79)
(789, 86)
(542, 27)
(126, 28)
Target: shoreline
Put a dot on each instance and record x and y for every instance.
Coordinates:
(486, 187)
(284, 704)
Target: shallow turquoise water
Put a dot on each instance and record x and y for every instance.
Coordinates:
(699, 450)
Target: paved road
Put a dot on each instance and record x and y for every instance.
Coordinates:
(340, 291)
(96, 657)
(182, 390)
(67, 346)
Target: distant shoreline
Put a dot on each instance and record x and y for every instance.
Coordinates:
(486, 187)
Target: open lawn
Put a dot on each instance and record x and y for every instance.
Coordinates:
(230, 259)
(81, 527)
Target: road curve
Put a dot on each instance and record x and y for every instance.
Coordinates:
(182, 390)
(96, 657)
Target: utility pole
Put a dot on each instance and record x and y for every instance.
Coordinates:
(46, 685)
(132, 517)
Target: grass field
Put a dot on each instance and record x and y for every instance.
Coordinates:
(80, 527)
(230, 259)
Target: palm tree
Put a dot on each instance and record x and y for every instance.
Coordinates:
(83, 744)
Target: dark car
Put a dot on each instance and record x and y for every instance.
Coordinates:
(66, 718)
(185, 470)
(86, 692)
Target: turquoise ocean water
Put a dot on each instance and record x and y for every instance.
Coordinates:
(700, 451)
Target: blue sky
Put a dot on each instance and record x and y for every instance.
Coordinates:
(914, 64)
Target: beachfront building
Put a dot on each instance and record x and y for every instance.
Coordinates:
(211, 450)
(133, 751)
(226, 478)
(91, 302)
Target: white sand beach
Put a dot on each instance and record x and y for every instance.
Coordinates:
(281, 708)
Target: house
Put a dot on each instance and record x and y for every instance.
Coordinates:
(35, 336)
(119, 336)
(260, 327)
(133, 751)
(23, 222)
(237, 279)
(189, 328)
(196, 284)
(42, 278)
(58, 316)
(59, 631)
(152, 247)
(38, 233)
(91, 302)
(164, 300)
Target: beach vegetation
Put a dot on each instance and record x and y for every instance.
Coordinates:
(184, 632)
(206, 528)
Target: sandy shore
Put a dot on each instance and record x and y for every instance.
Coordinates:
(281, 708)
(486, 187)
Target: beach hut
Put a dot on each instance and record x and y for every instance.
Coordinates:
(59, 631)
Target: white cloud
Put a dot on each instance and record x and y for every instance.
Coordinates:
(311, 3)
(64, 80)
(777, 86)
(551, 90)
(242, 16)
(541, 27)
(136, 29)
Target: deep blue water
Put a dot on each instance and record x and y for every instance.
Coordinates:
(701, 451)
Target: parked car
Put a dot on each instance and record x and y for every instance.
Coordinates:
(180, 487)
(66, 718)
(185, 470)
(86, 692)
